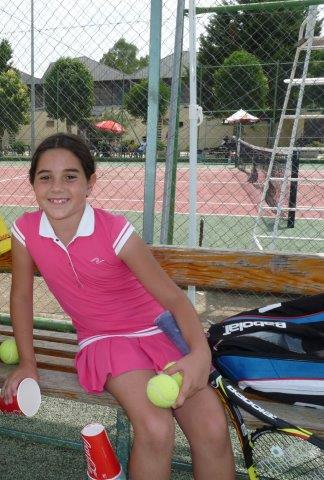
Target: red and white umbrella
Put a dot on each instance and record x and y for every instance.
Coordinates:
(110, 126)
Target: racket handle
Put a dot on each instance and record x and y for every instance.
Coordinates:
(167, 323)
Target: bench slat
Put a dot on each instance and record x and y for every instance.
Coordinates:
(239, 270)
(60, 350)
(45, 335)
(63, 385)
(55, 363)
(243, 270)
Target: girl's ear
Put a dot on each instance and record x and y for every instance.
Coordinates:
(92, 180)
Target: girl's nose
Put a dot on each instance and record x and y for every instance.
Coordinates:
(57, 184)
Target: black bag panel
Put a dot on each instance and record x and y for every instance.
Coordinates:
(291, 308)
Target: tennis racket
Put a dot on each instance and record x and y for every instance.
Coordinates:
(276, 451)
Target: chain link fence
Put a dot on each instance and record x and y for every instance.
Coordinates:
(83, 67)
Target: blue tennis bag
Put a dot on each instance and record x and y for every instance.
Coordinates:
(276, 351)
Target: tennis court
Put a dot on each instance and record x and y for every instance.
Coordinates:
(227, 203)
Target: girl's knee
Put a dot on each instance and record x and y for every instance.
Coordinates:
(212, 433)
(155, 431)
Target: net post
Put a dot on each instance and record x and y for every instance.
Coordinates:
(293, 190)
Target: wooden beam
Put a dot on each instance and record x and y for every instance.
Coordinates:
(5, 262)
(236, 270)
(243, 270)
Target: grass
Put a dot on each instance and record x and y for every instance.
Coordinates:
(226, 231)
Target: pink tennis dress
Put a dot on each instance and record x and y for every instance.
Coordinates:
(111, 310)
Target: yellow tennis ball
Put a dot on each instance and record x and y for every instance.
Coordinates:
(9, 352)
(162, 390)
(178, 377)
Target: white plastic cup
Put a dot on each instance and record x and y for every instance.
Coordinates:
(26, 402)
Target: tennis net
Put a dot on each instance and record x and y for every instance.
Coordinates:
(255, 162)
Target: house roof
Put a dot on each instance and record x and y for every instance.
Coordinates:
(103, 73)
(99, 71)
(27, 79)
(165, 67)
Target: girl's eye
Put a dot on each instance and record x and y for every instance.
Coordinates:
(44, 178)
(71, 177)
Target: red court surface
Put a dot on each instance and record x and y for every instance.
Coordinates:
(220, 190)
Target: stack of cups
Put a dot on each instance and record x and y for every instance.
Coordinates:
(26, 402)
(102, 462)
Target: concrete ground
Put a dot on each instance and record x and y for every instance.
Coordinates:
(26, 460)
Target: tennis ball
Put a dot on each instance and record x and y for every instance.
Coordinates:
(178, 377)
(162, 390)
(9, 352)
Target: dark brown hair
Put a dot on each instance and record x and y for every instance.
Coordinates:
(70, 142)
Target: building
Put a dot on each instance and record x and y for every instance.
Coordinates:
(110, 86)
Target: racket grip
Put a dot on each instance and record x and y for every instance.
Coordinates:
(167, 323)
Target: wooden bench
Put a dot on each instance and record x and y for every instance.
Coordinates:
(241, 271)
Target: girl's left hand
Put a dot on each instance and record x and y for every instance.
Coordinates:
(195, 369)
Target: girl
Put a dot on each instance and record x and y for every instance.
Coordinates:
(107, 281)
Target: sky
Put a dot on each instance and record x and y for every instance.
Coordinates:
(84, 27)
(74, 28)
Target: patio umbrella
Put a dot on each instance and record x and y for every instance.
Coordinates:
(241, 116)
(110, 126)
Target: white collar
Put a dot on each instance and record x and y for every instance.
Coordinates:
(85, 228)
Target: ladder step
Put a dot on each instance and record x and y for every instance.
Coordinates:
(297, 209)
(302, 181)
(317, 43)
(315, 239)
(308, 81)
(304, 115)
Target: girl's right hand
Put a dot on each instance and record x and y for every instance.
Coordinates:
(10, 386)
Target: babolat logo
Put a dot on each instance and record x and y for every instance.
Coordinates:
(252, 404)
(240, 326)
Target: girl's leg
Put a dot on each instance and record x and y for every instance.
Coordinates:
(153, 426)
(203, 421)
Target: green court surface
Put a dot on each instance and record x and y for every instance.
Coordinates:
(226, 231)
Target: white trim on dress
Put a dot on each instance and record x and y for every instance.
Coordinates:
(147, 332)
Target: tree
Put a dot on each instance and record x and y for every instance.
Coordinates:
(136, 99)
(14, 101)
(5, 55)
(69, 91)
(95, 135)
(269, 35)
(240, 82)
(123, 56)
(313, 95)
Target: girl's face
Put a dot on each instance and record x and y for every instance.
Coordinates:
(61, 186)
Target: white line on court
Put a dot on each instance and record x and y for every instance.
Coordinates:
(19, 205)
(13, 178)
(3, 195)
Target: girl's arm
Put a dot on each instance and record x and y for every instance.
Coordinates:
(196, 367)
(21, 312)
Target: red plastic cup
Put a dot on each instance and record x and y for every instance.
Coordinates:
(102, 462)
(26, 402)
